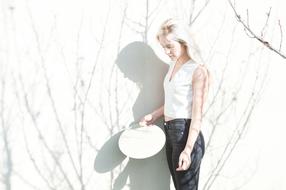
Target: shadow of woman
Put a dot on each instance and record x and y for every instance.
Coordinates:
(138, 62)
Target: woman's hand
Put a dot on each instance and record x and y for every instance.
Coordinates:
(184, 161)
(150, 118)
(147, 120)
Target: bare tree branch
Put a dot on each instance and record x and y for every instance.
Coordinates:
(260, 39)
(43, 140)
(191, 20)
(266, 23)
(239, 130)
(26, 181)
(281, 34)
(8, 162)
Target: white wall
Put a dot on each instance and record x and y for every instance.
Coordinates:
(74, 74)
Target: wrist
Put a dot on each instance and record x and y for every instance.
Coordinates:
(188, 149)
(155, 115)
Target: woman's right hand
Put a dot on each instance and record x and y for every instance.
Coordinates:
(147, 120)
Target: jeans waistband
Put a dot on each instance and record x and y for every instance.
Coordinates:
(177, 120)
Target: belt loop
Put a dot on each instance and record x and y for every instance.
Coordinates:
(166, 125)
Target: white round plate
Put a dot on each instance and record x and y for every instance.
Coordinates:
(142, 142)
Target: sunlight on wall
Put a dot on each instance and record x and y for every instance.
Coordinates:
(74, 74)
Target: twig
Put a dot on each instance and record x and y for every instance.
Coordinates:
(266, 23)
(199, 13)
(261, 40)
(281, 34)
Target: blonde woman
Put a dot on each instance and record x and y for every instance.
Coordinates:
(186, 88)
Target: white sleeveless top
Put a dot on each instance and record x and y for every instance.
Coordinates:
(178, 91)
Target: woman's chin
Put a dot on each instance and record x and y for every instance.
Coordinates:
(173, 58)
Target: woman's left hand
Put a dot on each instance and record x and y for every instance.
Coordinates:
(184, 161)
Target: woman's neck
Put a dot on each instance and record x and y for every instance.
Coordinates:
(183, 59)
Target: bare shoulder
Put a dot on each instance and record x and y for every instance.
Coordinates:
(201, 72)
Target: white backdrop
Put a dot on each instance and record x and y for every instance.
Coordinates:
(74, 74)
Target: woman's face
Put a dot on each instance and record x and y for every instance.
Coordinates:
(172, 48)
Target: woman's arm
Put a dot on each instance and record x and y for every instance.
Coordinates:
(200, 87)
(158, 112)
(152, 117)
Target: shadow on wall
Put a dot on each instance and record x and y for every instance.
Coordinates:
(138, 62)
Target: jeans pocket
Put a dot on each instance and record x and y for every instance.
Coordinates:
(177, 136)
(177, 131)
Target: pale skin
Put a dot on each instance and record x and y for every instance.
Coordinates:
(200, 82)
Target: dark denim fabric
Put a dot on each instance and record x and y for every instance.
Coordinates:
(177, 131)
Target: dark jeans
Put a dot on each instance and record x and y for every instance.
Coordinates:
(177, 131)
